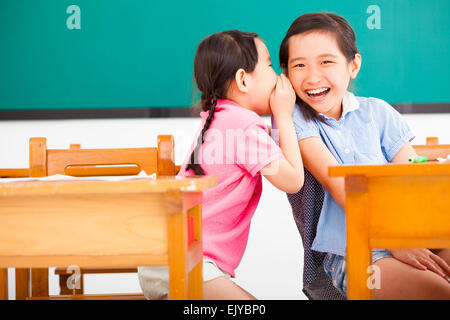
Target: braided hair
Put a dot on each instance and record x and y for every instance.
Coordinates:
(218, 58)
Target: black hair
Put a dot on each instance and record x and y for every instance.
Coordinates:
(322, 21)
(218, 58)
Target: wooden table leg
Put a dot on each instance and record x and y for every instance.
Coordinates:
(196, 274)
(3, 284)
(358, 252)
(177, 246)
(196, 282)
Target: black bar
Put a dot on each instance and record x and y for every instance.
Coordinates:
(227, 310)
(182, 112)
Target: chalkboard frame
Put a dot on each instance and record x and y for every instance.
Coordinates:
(164, 112)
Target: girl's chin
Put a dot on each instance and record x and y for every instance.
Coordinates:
(319, 107)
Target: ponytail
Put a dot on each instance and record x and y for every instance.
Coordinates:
(193, 164)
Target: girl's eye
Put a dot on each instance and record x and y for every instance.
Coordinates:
(300, 65)
(326, 62)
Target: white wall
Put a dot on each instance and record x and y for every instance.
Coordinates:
(272, 264)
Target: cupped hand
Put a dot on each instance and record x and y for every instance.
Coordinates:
(282, 99)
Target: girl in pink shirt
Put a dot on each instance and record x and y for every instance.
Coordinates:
(234, 74)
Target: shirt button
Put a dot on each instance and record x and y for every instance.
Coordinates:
(347, 151)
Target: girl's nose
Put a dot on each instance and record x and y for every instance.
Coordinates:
(313, 76)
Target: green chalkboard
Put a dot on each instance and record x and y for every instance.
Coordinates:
(61, 54)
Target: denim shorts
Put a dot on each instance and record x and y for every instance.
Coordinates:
(334, 266)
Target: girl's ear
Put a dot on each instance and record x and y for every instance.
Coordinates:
(239, 78)
(355, 66)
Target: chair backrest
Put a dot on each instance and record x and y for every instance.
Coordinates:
(432, 152)
(14, 173)
(100, 162)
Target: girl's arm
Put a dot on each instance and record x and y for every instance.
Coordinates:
(287, 173)
(317, 158)
(405, 152)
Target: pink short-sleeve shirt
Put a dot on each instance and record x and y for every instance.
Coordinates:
(236, 147)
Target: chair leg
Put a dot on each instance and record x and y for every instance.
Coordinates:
(39, 282)
(3, 284)
(21, 283)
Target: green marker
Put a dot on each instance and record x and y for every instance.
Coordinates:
(420, 159)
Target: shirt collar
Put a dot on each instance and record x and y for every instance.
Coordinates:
(349, 103)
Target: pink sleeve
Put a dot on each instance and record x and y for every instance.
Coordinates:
(256, 149)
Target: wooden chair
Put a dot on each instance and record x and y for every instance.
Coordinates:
(33, 283)
(432, 149)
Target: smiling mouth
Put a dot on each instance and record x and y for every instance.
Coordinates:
(317, 92)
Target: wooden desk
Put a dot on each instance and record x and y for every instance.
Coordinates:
(392, 206)
(90, 223)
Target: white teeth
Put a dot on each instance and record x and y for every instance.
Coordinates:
(317, 91)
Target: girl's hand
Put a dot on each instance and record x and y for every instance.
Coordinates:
(423, 259)
(282, 99)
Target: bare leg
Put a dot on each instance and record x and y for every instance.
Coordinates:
(402, 281)
(222, 288)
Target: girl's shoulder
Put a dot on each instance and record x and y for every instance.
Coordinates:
(378, 111)
(377, 108)
(375, 104)
(234, 116)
